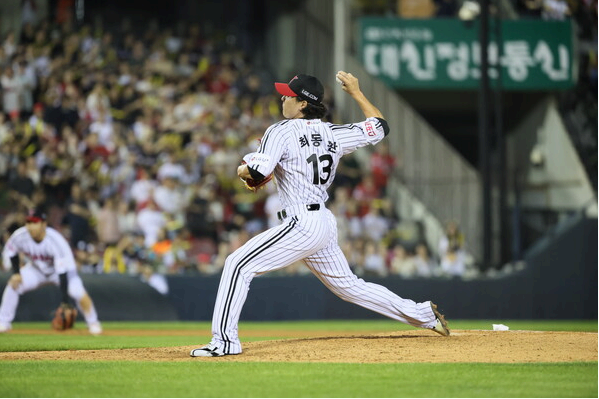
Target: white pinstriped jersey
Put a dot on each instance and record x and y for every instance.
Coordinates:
(52, 255)
(304, 155)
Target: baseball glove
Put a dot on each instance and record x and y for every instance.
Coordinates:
(64, 317)
(255, 185)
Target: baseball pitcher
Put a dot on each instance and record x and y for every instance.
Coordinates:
(302, 152)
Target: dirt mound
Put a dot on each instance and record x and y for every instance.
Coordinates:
(400, 347)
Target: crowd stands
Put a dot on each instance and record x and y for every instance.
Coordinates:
(130, 141)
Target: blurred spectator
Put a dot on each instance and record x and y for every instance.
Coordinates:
(169, 251)
(170, 168)
(425, 264)
(451, 250)
(107, 225)
(21, 186)
(27, 82)
(402, 263)
(87, 258)
(97, 101)
(355, 224)
(354, 252)
(142, 189)
(342, 224)
(32, 171)
(366, 192)
(102, 126)
(555, 10)
(151, 221)
(113, 261)
(382, 164)
(109, 236)
(374, 259)
(177, 260)
(199, 217)
(126, 217)
(183, 67)
(78, 216)
(9, 45)
(134, 251)
(341, 199)
(93, 201)
(11, 91)
(168, 196)
(28, 30)
(38, 126)
(375, 224)
(94, 152)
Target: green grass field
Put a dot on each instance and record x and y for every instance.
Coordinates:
(44, 378)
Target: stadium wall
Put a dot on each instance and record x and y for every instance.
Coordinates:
(116, 297)
(559, 282)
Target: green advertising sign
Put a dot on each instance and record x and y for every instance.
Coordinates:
(445, 53)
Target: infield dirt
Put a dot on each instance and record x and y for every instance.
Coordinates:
(401, 347)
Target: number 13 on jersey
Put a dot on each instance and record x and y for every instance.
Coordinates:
(320, 164)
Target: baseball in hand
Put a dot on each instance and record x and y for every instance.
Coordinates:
(338, 80)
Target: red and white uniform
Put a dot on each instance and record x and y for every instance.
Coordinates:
(44, 261)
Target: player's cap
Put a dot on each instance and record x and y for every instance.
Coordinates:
(36, 215)
(305, 87)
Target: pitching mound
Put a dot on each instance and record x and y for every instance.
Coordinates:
(401, 347)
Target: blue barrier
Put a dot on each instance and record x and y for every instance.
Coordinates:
(559, 282)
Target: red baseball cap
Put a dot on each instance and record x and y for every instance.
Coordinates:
(35, 215)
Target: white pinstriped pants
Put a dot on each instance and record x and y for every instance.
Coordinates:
(310, 236)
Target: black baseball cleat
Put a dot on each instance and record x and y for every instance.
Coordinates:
(441, 325)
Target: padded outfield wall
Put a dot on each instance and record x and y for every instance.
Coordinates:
(559, 282)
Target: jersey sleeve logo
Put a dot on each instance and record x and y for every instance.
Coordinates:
(259, 159)
(370, 129)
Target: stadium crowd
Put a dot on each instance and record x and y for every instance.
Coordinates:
(130, 140)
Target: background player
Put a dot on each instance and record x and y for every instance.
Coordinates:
(49, 259)
(303, 152)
